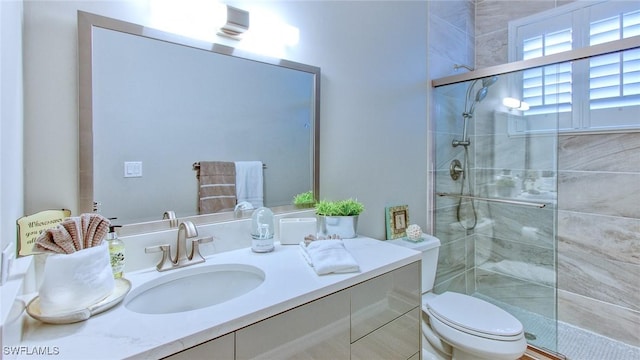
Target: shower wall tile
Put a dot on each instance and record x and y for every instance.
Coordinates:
(458, 283)
(491, 49)
(445, 152)
(600, 152)
(460, 14)
(611, 238)
(600, 317)
(615, 243)
(448, 41)
(540, 147)
(599, 233)
(508, 152)
(470, 251)
(494, 15)
(447, 228)
(527, 225)
(602, 193)
(563, 2)
(451, 260)
(526, 262)
(523, 294)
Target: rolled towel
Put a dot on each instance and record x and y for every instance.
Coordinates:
(74, 234)
(328, 256)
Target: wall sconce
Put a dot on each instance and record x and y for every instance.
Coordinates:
(237, 23)
(515, 104)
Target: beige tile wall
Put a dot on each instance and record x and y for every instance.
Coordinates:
(599, 234)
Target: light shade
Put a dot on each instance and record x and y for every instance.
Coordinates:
(237, 22)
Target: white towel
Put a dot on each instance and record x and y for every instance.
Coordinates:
(249, 182)
(76, 281)
(329, 256)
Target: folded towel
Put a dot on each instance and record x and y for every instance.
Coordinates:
(249, 182)
(217, 186)
(328, 256)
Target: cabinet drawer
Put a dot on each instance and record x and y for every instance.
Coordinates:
(221, 348)
(399, 339)
(318, 330)
(383, 299)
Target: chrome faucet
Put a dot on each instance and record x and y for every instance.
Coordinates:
(186, 230)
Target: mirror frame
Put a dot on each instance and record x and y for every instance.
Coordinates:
(86, 23)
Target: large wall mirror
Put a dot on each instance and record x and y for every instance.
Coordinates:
(153, 104)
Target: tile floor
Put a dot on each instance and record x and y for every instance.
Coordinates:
(572, 342)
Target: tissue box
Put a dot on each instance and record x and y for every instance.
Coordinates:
(293, 230)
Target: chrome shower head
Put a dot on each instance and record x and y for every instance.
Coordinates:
(482, 93)
(484, 90)
(488, 81)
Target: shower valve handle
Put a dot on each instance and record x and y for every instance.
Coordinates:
(455, 169)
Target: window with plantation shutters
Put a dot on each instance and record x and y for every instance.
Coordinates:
(610, 83)
(547, 89)
(614, 79)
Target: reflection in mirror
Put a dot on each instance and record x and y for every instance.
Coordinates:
(154, 104)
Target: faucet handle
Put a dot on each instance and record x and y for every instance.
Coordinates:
(196, 256)
(165, 262)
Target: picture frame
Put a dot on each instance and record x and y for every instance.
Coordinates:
(397, 221)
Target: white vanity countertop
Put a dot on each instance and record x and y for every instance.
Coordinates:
(289, 282)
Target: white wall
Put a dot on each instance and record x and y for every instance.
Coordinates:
(11, 132)
(373, 57)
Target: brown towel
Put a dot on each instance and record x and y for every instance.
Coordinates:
(217, 186)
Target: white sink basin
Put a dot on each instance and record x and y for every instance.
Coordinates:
(194, 288)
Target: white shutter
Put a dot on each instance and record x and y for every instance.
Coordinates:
(614, 79)
(547, 89)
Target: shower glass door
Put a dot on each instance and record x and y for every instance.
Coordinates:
(496, 192)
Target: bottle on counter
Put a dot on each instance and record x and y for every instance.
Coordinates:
(116, 252)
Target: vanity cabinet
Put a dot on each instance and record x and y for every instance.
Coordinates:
(376, 319)
(317, 330)
(385, 315)
(221, 348)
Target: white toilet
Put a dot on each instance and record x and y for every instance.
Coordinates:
(460, 327)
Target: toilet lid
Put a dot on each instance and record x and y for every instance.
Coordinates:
(473, 315)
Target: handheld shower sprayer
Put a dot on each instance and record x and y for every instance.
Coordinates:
(457, 167)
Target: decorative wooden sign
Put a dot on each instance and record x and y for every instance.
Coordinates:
(31, 226)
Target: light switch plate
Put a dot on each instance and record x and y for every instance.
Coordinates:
(132, 169)
(8, 255)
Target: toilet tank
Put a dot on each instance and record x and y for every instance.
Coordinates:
(429, 247)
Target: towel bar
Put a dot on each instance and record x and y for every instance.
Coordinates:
(196, 166)
(512, 202)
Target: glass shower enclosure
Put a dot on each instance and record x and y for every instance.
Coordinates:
(495, 175)
(495, 193)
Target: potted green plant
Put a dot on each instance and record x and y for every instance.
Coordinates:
(339, 217)
(304, 200)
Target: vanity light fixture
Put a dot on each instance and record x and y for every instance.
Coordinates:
(237, 23)
(515, 104)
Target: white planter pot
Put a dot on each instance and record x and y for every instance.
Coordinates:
(343, 226)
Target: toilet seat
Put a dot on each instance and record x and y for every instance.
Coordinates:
(474, 316)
